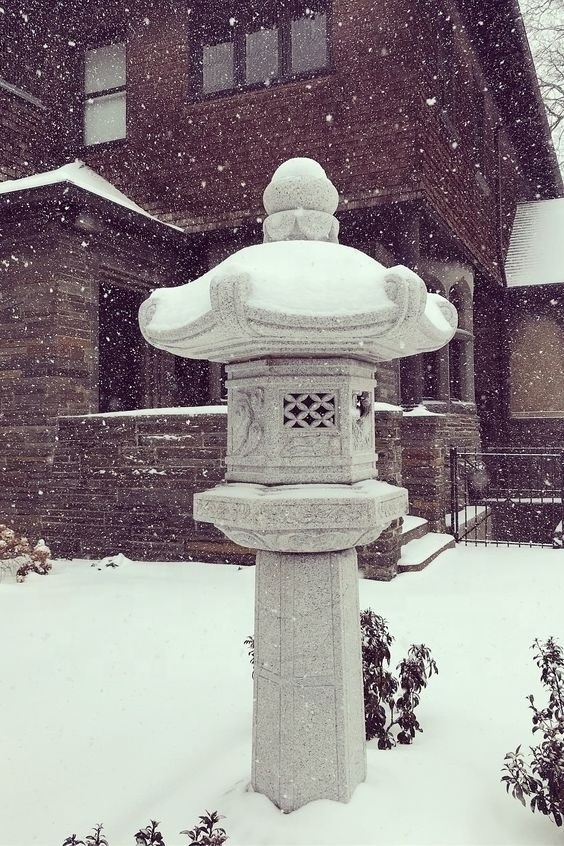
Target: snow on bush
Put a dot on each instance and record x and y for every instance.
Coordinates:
(18, 557)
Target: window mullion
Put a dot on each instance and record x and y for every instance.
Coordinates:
(239, 58)
(285, 47)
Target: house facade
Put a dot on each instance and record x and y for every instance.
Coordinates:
(426, 116)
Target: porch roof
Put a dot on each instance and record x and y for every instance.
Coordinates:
(536, 247)
(80, 175)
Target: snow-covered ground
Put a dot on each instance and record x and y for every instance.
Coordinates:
(126, 695)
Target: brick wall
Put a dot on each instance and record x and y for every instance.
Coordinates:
(426, 440)
(23, 127)
(125, 483)
(379, 560)
(50, 275)
(204, 163)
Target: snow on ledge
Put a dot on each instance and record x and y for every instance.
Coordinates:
(411, 522)
(416, 552)
(422, 411)
(186, 410)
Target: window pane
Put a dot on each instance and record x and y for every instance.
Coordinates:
(262, 55)
(104, 118)
(309, 43)
(218, 67)
(104, 68)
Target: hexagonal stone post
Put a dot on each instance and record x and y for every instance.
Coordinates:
(301, 321)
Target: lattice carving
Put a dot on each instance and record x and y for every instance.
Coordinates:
(309, 411)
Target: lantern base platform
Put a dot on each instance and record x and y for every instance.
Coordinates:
(301, 518)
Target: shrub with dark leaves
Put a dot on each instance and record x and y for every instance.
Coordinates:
(95, 839)
(150, 835)
(208, 832)
(540, 779)
(390, 702)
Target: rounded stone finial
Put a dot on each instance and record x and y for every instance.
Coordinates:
(300, 201)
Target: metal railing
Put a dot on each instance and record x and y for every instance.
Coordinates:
(513, 496)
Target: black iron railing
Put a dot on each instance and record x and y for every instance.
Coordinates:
(509, 496)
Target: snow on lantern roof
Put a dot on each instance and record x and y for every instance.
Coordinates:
(300, 292)
(536, 246)
(79, 174)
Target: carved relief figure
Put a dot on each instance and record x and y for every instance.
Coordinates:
(247, 427)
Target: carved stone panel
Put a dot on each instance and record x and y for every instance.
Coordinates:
(246, 421)
(362, 431)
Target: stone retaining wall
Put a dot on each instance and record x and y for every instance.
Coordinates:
(125, 483)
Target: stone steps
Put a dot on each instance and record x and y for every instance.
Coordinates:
(419, 550)
(419, 546)
(413, 527)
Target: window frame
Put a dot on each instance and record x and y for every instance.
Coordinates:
(98, 95)
(282, 21)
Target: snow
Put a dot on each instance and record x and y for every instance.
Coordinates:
(127, 695)
(79, 174)
(187, 410)
(251, 490)
(421, 410)
(299, 167)
(415, 552)
(294, 277)
(410, 522)
(536, 248)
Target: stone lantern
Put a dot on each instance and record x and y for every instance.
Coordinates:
(301, 321)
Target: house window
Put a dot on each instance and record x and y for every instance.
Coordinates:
(309, 42)
(256, 46)
(431, 364)
(218, 67)
(447, 74)
(104, 89)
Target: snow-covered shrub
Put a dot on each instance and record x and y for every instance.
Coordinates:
(208, 832)
(389, 713)
(541, 778)
(388, 716)
(18, 557)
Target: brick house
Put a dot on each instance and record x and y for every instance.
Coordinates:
(425, 115)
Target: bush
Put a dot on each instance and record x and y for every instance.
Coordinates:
(20, 556)
(208, 832)
(541, 778)
(150, 835)
(96, 839)
(387, 716)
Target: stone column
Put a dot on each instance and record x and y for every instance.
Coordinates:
(308, 727)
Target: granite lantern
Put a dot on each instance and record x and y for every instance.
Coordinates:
(300, 321)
